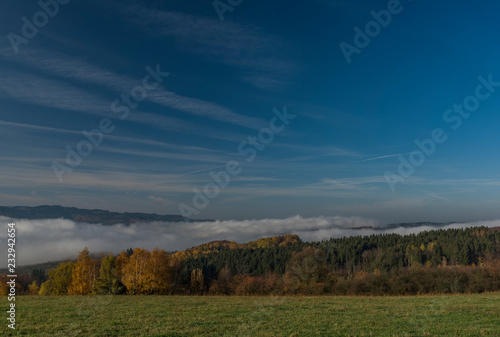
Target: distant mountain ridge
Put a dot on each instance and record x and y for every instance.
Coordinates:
(435, 225)
(92, 216)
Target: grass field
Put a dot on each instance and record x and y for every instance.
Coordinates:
(460, 315)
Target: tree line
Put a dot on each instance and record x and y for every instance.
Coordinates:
(440, 261)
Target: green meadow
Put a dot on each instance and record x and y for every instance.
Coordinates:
(454, 315)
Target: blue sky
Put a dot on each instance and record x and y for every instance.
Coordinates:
(353, 120)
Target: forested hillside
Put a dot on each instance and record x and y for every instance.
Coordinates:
(441, 261)
(93, 216)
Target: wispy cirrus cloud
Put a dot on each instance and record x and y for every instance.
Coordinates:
(103, 181)
(353, 183)
(50, 93)
(348, 183)
(479, 182)
(260, 57)
(204, 109)
(58, 94)
(325, 152)
(201, 156)
(148, 142)
(79, 70)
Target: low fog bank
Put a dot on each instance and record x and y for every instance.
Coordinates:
(51, 240)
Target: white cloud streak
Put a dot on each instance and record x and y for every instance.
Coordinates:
(259, 56)
(82, 71)
(117, 138)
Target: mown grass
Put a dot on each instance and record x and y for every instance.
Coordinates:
(459, 315)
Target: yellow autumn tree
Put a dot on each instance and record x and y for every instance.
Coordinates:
(148, 272)
(33, 288)
(84, 274)
(160, 269)
(134, 271)
(4, 287)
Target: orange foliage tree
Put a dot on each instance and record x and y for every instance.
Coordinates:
(148, 272)
(84, 274)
